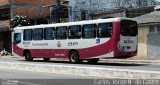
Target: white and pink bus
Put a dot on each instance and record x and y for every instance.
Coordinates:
(83, 40)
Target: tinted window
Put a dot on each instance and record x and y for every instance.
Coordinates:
(28, 34)
(129, 28)
(89, 31)
(61, 32)
(49, 33)
(158, 29)
(74, 32)
(38, 34)
(17, 37)
(104, 30)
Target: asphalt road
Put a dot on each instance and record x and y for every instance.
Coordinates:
(137, 66)
(48, 82)
(16, 77)
(17, 74)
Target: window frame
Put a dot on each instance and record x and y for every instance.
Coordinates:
(108, 29)
(128, 28)
(158, 29)
(79, 31)
(152, 29)
(52, 33)
(94, 31)
(57, 34)
(31, 35)
(34, 38)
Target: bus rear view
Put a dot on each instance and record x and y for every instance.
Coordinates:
(127, 45)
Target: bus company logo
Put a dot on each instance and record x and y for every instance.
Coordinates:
(26, 43)
(39, 44)
(72, 43)
(58, 44)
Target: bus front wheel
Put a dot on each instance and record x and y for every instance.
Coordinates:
(28, 56)
(74, 57)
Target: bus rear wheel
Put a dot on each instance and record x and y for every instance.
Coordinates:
(46, 59)
(74, 57)
(93, 61)
(28, 56)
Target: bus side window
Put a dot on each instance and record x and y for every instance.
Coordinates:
(104, 30)
(27, 34)
(61, 32)
(49, 33)
(89, 31)
(74, 32)
(38, 34)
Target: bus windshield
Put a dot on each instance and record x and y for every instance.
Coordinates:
(17, 37)
(129, 28)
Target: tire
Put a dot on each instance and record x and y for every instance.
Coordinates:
(93, 61)
(46, 59)
(28, 56)
(74, 57)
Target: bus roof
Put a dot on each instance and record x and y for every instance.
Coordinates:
(74, 23)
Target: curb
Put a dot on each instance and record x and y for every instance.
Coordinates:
(130, 61)
(105, 60)
(83, 70)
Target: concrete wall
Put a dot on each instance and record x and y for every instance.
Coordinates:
(153, 46)
(148, 44)
(142, 43)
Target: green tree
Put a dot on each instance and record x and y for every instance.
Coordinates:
(18, 21)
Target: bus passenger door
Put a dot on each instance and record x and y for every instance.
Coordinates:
(16, 43)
